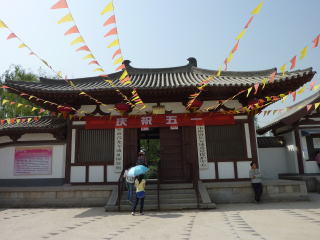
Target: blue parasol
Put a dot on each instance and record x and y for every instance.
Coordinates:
(137, 170)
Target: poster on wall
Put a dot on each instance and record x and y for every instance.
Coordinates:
(33, 161)
(118, 150)
(202, 147)
(316, 142)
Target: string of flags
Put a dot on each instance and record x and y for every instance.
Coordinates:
(19, 120)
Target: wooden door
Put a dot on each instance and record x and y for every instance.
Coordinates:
(171, 160)
(130, 146)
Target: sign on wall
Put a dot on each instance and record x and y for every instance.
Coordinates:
(202, 147)
(118, 149)
(33, 161)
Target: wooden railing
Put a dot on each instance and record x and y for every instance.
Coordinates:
(195, 182)
(120, 187)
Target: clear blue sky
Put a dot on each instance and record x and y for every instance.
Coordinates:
(163, 33)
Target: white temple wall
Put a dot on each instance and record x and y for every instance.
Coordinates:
(291, 152)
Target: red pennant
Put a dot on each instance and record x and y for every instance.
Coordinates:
(60, 4)
(41, 110)
(11, 35)
(110, 20)
(272, 77)
(94, 62)
(2, 122)
(248, 23)
(126, 79)
(122, 66)
(293, 62)
(12, 120)
(309, 106)
(23, 120)
(294, 95)
(116, 53)
(83, 48)
(312, 85)
(72, 30)
(256, 87)
(113, 31)
(316, 41)
(235, 48)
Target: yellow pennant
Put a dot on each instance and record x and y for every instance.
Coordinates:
(88, 56)
(264, 81)
(283, 69)
(316, 87)
(219, 72)
(98, 69)
(22, 45)
(114, 43)
(241, 34)
(29, 120)
(5, 101)
(66, 18)
(268, 99)
(18, 120)
(82, 93)
(249, 90)
(123, 75)
(316, 105)
(72, 84)
(284, 98)
(257, 9)
(59, 74)
(19, 105)
(3, 25)
(301, 90)
(77, 40)
(230, 57)
(34, 108)
(117, 61)
(303, 52)
(108, 8)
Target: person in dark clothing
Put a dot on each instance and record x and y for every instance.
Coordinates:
(142, 160)
(256, 181)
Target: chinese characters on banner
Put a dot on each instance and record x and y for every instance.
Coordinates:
(202, 147)
(161, 120)
(118, 149)
(33, 161)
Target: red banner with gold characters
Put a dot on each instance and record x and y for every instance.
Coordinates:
(160, 120)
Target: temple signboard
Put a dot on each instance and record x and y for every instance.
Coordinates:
(202, 147)
(118, 150)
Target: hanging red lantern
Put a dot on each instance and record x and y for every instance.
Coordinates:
(196, 105)
(123, 108)
(65, 110)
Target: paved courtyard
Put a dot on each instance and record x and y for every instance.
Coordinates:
(294, 220)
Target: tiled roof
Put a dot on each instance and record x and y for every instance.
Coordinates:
(44, 124)
(159, 78)
(270, 142)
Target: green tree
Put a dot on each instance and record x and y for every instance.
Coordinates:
(16, 73)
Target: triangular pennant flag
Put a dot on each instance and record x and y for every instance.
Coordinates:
(108, 8)
(110, 20)
(4, 86)
(22, 45)
(249, 90)
(301, 90)
(94, 62)
(18, 120)
(122, 66)
(19, 105)
(90, 55)
(66, 18)
(98, 69)
(283, 69)
(312, 85)
(309, 106)
(248, 23)
(77, 40)
(219, 72)
(29, 120)
(268, 98)
(12, 120)
(4, 101)
(126, 81)
(316, 105)
(11, 35)
(257, 9)
(113, 31)
(241, 34)
(230, 57)
(118, 60)
(82, 93)
(264, 81)
(272, 77)
(235, 48)
(114, 43)
(123, 75)
(60, 4)
(284, 98)
(72, 30)
(226, 64)
(316, 87)
(294, 95)
(303, 53)
(3, 25)
(34, 109)
(117, 52)
(256, 88)
(83, 48)
(293, 62)
(316, 41)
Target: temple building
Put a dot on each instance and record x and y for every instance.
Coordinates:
(205, 144)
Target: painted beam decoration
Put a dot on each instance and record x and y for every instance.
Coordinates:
(161, 120)
(202, 147)
(118, 150)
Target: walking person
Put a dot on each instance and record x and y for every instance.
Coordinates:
(130, 184)
(256, 180)
(140, 184)
(141, 160)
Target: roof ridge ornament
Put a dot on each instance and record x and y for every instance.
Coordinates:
(192, 62)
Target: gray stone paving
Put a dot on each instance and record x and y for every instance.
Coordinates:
(272, 221)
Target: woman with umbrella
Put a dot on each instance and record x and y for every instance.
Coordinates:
(140, 184)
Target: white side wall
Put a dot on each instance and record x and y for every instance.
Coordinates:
(291, 152)
(272, 161)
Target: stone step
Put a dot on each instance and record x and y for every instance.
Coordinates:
(178, 201)
(178, 206)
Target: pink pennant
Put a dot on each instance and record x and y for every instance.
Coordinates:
(122, 66)
(113, 31)
(293, 62)
(4, 86)
(83, 48)
(110, 20)
(11, 35)
(272, 77)
(312, 85)
(94, 62)
(116, 53)
(294, 95)
(309, 106)
(72, 30)
(235, 48)
(226, 64)
(60, 4)
(248, 23)
(256, 87)
(316, 41)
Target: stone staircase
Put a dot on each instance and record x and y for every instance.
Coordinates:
(172, 197)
